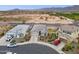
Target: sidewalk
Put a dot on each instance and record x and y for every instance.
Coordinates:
(61, 45)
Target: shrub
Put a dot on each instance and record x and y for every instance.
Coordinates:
(54, 36)
(13, 42)
(68, 47)
(78, 46)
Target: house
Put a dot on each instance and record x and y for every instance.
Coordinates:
(17, 32)
(40, 29)
(68, 32)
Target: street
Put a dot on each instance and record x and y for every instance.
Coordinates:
(30, 49)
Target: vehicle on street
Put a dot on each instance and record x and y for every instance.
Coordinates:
(11, 45)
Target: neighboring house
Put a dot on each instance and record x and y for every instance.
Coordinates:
(69, 32)
(17, 32)
(39, 29)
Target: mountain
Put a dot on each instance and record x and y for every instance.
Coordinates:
(73, 8)
(56, 9)
(62, 9)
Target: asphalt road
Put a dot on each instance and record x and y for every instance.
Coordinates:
(29, 49)
(76, 24)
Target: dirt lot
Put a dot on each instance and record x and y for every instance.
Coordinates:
(36, 18)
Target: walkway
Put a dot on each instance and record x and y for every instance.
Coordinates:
(61, 45)
(34, 37)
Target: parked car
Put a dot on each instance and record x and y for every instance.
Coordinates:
(11, 45)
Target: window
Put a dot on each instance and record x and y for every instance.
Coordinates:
(67, 32)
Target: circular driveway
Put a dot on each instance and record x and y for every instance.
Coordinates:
(32, 48)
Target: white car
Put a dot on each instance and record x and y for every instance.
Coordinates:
(11, 45)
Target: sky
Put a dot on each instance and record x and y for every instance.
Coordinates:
(9, 7)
